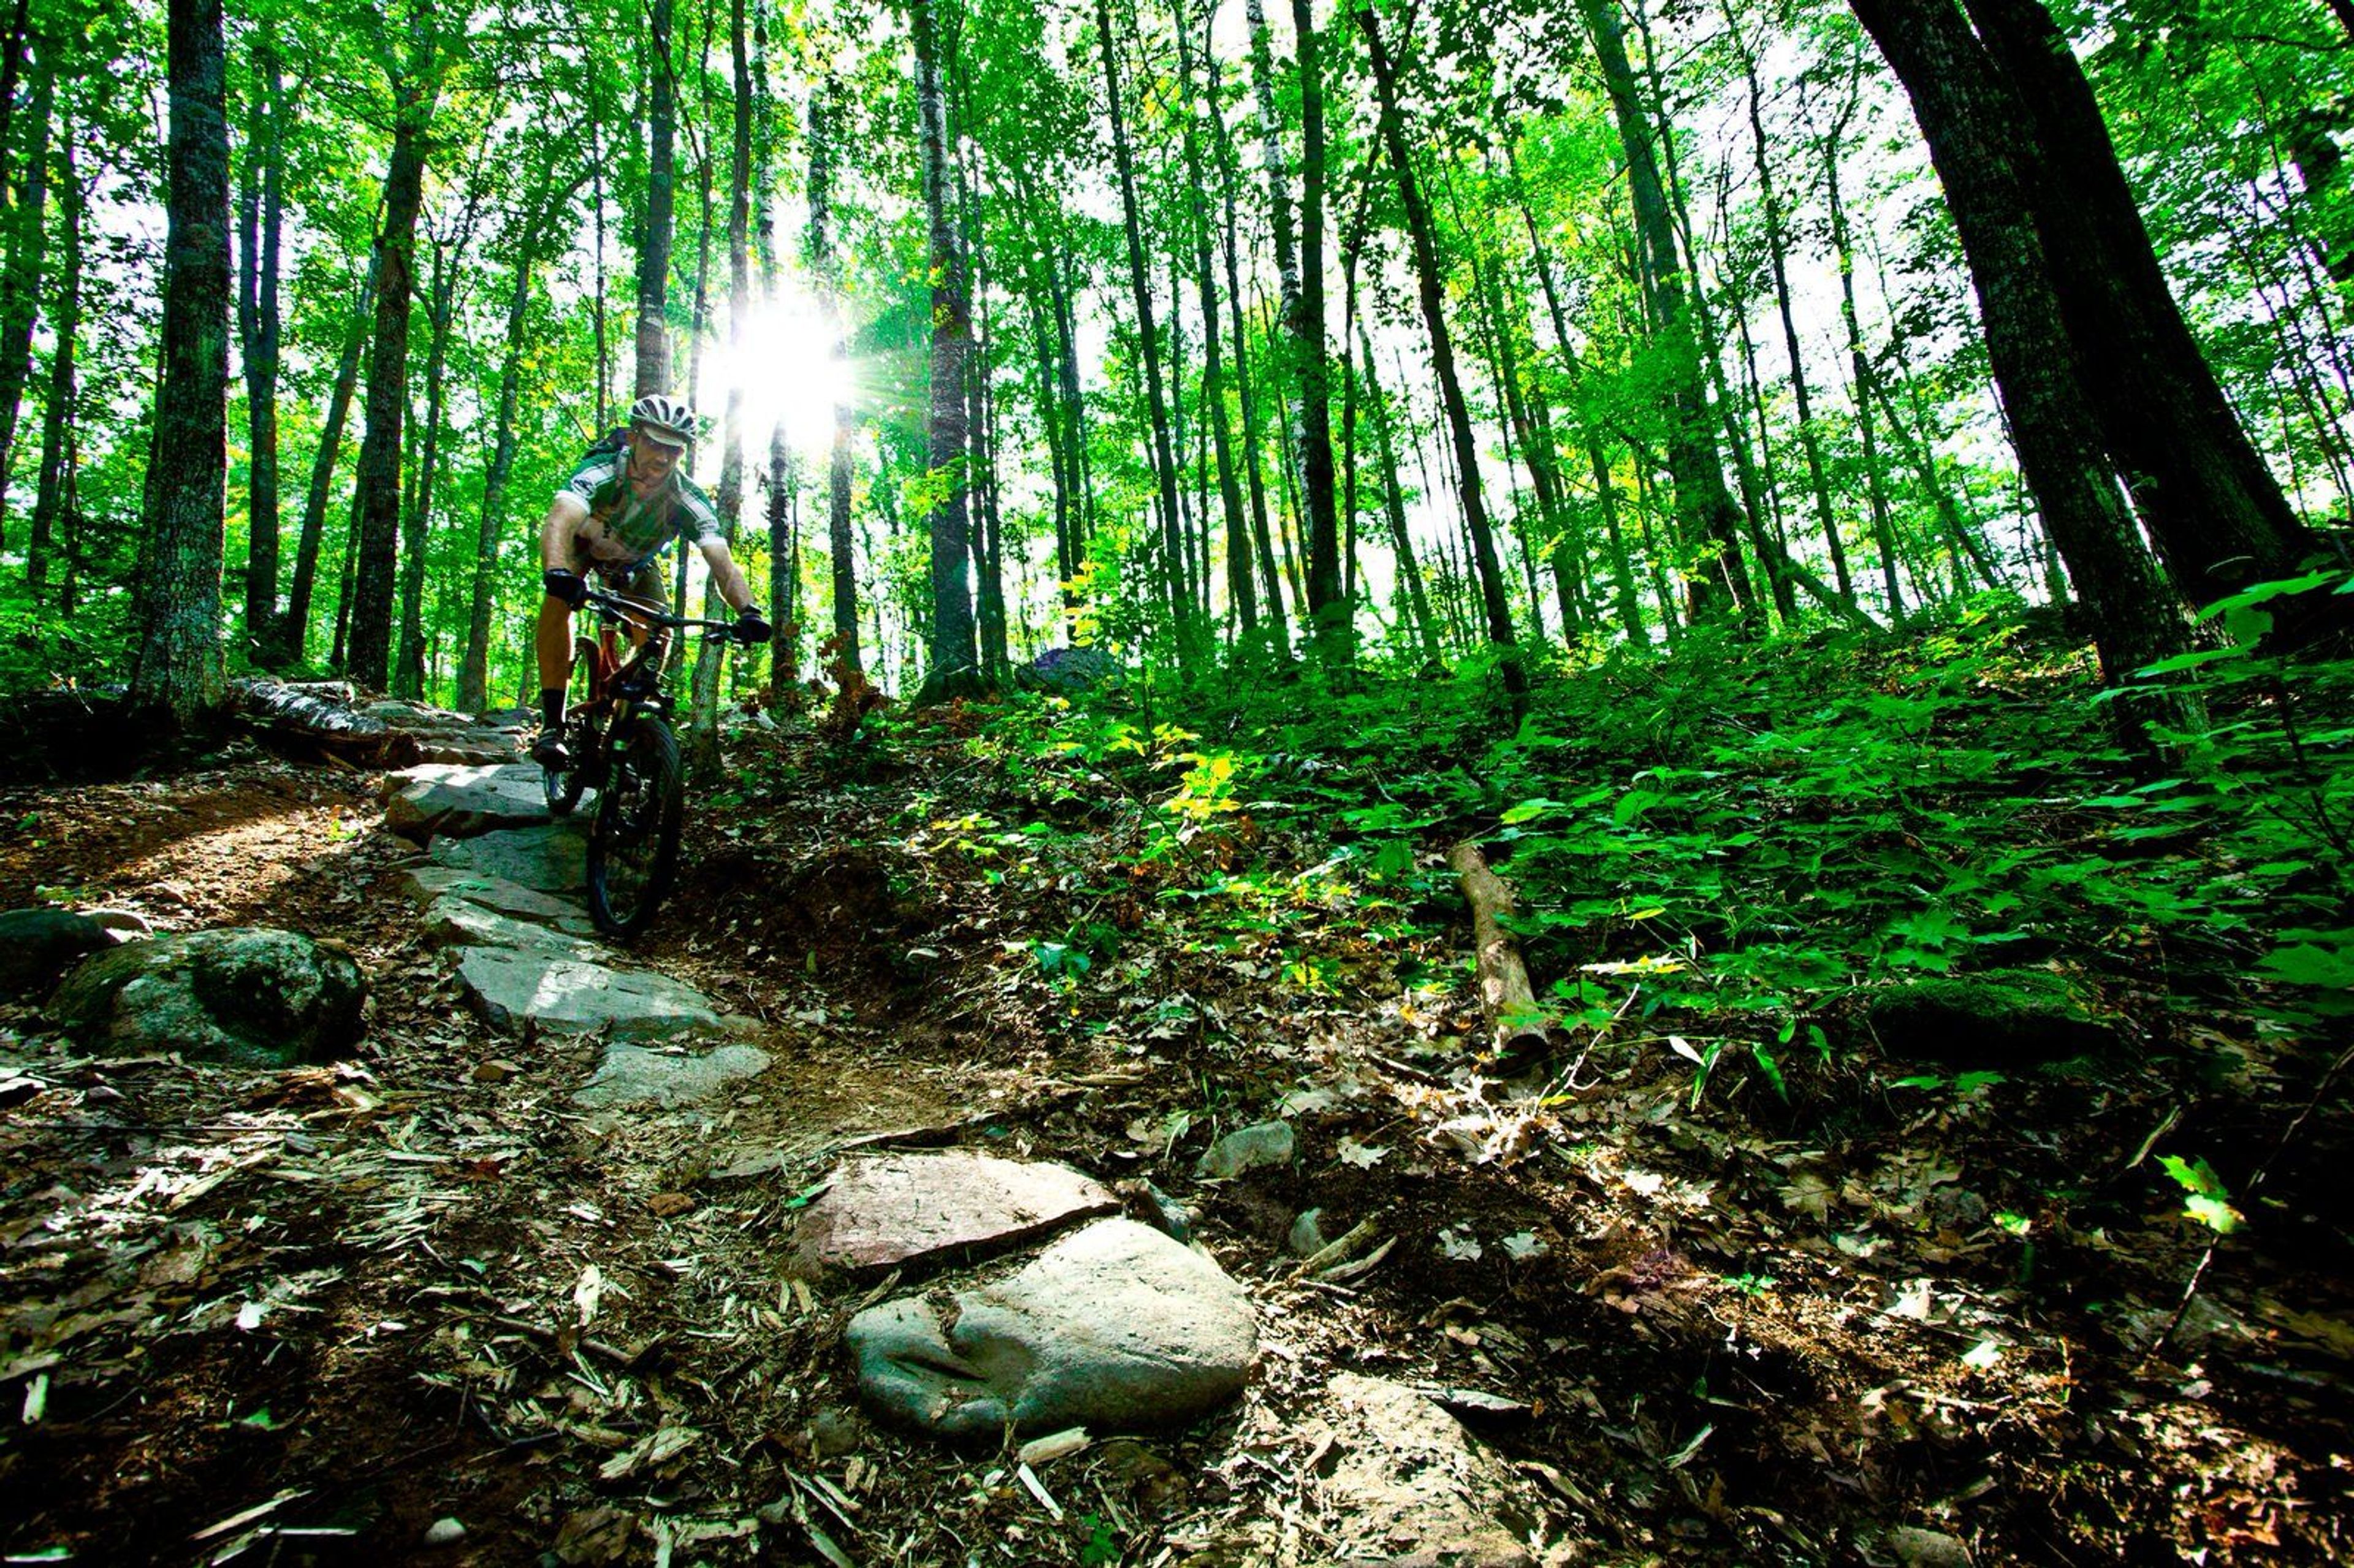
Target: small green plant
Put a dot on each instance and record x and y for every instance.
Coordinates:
(2205, 1198)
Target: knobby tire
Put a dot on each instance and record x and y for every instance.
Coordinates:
(633, 841)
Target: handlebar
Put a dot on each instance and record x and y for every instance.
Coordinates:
(615, 607)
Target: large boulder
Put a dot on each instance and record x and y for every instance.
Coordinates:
(1115, 1327)
(248, 996)
(37, 945)
(950, 1205)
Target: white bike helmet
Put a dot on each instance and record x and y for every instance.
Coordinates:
(660, 418)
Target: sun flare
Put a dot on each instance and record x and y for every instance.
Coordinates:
(784, 362)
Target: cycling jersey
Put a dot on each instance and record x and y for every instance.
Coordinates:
(620, 526)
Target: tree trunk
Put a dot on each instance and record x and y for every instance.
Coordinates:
(1430, 279)
(1164, 461)
(1706, 518)
(653, 373)
(1418, 598)
(368, 650)
(177, 608)
(1883, 528)
(2214, 510)
(817, 248)
(294, 631)
(57, 421)
(1327, 602)
(416, 527)
(20, 288)
(953, 657)
(1262, 551)
(1968, 116)
(259, 327)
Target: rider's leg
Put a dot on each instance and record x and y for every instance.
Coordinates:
(554, 641)
(645, 585)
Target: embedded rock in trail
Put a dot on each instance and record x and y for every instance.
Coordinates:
(454, 921)
(248, 996)
(1407, 1487)
(633, 1076)
(1268, 1143)
(1998, 1018)
(550, 858)
(1116, 1328)
(949, 1206)
(460, 800)
(37, 945)
(574, 996)
(431, 884)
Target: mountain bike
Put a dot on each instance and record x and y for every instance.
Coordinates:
(617, 727)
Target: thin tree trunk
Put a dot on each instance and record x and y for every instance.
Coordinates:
(258, 329)
(368, 650)
(1262, 551)
(818, 254)
(20, 288)
(654, 373)
(176, 599)
(417, 528)
(294, 631)
(1327, 602)
(1164, 462)
(1883, 528)
(1418, 598)
(953, 658)
(58, 421)
(1428, 278)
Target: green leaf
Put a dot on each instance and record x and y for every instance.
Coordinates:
(1633, 804)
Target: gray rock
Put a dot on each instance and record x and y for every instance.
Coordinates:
(453, 921)
(1307, 1237)
(633, 1076)
(949, 1206)
(428, 883)
(37, 945)
(550, 858)
(1247, 1148)
(1117, 1328)
(1067, 670)
(1407, 1487)
(458, 799)
(573, 995)
(247, 995)
(1916, 1548)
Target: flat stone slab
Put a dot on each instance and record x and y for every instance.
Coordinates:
(633, 1076)
(572, 995)
(454, 921)
(1405, 1485)
(460, 799)
(1267, 1144)
(430, 883)
(1117, 1328)
(550, 858)
(882, 1212)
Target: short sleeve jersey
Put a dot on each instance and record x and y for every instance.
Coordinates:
(622, 526)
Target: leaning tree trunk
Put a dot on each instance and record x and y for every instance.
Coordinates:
(1429, 279)
(259, 330)
(653, 373)
(953, 658)
(58, 418)
(1164, 461)
(175, 606)
(1968, 116)
(368, 650)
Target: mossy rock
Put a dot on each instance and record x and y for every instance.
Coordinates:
(245, 996)
(2010, 1018)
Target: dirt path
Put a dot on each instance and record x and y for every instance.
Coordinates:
(425, 1284)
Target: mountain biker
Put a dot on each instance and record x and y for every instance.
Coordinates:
(612, 518)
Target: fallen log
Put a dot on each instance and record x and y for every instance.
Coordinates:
(1508, 1005)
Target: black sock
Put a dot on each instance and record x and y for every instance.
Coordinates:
(551, 705)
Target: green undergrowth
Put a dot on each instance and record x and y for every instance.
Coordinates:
(1736, 847)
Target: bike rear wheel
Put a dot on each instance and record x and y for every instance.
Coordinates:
(563, 785)
(633, 841)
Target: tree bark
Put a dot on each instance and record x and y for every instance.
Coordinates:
(177, 608)
(20, 288)
(1262, 537)
(1328, 601)
(1418, 598)
(415, 89)
(1428, 280)
(1508, 1003)
(448, 268)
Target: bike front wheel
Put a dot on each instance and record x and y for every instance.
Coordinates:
(633, 840)
(564, 785)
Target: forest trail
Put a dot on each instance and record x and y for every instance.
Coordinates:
(317, 1313)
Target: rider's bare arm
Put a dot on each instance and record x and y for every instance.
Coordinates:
(565, 515)
(726, 574)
